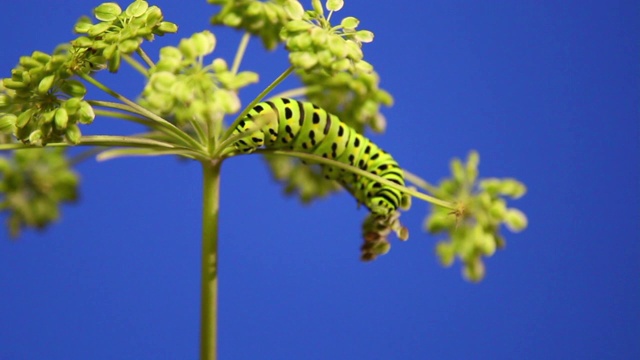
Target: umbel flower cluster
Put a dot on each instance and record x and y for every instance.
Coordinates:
(45, 100)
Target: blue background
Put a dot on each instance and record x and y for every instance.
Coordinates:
(546, 91)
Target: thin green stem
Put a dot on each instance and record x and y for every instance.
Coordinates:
(202, 136)
(129, 117)
(129, 152)
(135, 64)
(171, 129)
(419, 182)
(100, 140)
(226, 141)
(209, 285)
(242, 47)
(321, 160)
(143, 55)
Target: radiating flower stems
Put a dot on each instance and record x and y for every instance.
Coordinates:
(209, 284)
(135, 64)
(143, 55)
(99, 140)
(242, 47)
(184, 138)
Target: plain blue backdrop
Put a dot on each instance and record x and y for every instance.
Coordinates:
(546, 91)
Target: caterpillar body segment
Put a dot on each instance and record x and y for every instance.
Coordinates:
(303, 126)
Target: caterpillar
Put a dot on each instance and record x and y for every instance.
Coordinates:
(302, 126)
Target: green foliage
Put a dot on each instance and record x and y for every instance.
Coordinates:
(118, 32)
(41, 103)
(262, 19)
(34, 183)
(183, 88)
(474, 229)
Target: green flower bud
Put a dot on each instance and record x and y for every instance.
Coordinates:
(23, 118)
(83, 25)
(298, 25)
(82, 42)
(72, 105)
(188, 48)
(45, 84)
(8, 124)
(474, 271)
(107, 11)
(337, 46)
(293, 9)
(515, 220)
(219, 65)
(350, 22)
(85, 113)
(13, 84)
(61, 118)
(73, 133)
(317, 7)
(35, 138)
(98, 29)
(204, 42)
(109, 50)
(73, 88)
(29, 62)
(5, 100)
(162, 81)
(334, 5)
(47, 117)
(364, 36)
(153, 16)
(41, 57)
(137, 8)
(114, 63)
(303, 60)
(129, 46)
(167, 27)
(445, 253)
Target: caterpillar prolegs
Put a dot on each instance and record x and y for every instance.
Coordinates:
(302, 126)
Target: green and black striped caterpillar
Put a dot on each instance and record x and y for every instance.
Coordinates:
(303, 126)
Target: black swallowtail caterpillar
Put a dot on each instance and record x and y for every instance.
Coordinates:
(303, 126)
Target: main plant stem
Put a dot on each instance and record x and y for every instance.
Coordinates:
(209, 286)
